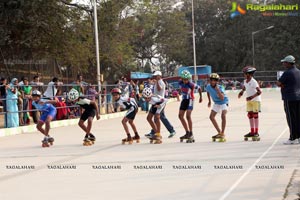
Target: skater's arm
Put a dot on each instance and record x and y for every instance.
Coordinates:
(219, 93)
(209, 100)
(255, 95)
(241, 92)
(200, 93)
(94, 104)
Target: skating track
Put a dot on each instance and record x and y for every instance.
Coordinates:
(233, 170)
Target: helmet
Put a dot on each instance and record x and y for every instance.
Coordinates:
(147, 92)
(36, 93)
(73, 94)
(116, 90)
(185, 74)
(249, 69)
(289, 59)
(214, 76)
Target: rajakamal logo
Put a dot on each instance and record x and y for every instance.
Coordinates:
(281, 10)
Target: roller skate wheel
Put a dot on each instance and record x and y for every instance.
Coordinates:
(137, 141)
(181, 140)
(246, 139)
(213, 140)
(258, 139)
(45, 145)
(51, 143)
(123, 142)
(130, 142)
(158, 142)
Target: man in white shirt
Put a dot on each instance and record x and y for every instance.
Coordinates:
(159, 89)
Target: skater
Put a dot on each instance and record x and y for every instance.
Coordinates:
(158, 105)
(187, 102)
(217, 93)
(132, 107)
(90, 111)
(290, 93)
(159, 89)
(253, 101)
(48, 114)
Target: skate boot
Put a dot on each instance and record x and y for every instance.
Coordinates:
(184, 137)
(219, 137)
(128, 139)
(156, 139)
(50, 140)
(253, 136)
(190, 138)
(87, 141)
(92, 138)
(172, 134)
(136, 138)
(45, 142)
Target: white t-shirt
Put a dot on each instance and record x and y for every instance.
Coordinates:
(51, 90)
(163, 88)
(251, 89)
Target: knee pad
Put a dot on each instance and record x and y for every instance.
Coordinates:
(255, 115)
(250, 115)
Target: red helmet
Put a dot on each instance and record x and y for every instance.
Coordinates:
(116, 90)
(249, 69)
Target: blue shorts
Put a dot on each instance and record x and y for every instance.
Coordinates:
(51, 112)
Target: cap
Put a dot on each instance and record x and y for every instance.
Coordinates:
(157, 73)
(289, 59)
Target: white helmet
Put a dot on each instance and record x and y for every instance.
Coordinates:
(36, 93)
(147, 92)
(73, 95)
(289, 59)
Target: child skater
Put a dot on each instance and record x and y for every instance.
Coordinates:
(90, 111)
(158, 105)
(132, 107)
(48, 114)
(217, 93)
(187, 103)
(253, 101)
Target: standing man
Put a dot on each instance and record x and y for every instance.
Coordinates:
(159, 89)
(290, 92)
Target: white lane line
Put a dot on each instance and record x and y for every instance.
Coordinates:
(225, 195)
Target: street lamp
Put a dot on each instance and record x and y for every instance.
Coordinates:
(253, 33)
(194, 44)
(97, 48)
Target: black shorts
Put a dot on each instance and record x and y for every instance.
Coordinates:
(131, 113)
(154, 110)
(186, 104)
(88, 113)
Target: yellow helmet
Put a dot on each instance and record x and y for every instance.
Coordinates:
(214, 76)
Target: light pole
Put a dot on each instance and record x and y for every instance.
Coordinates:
(253, 33)
(194, 44)
(97, 48)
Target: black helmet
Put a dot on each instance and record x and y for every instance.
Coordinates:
(249, 69)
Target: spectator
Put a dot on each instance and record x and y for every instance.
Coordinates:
(36, 84)
(290, 92)
(52, 88)
(11, 104)
(26, 91)
(80, 85)
(3, 88)
(92, 93)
